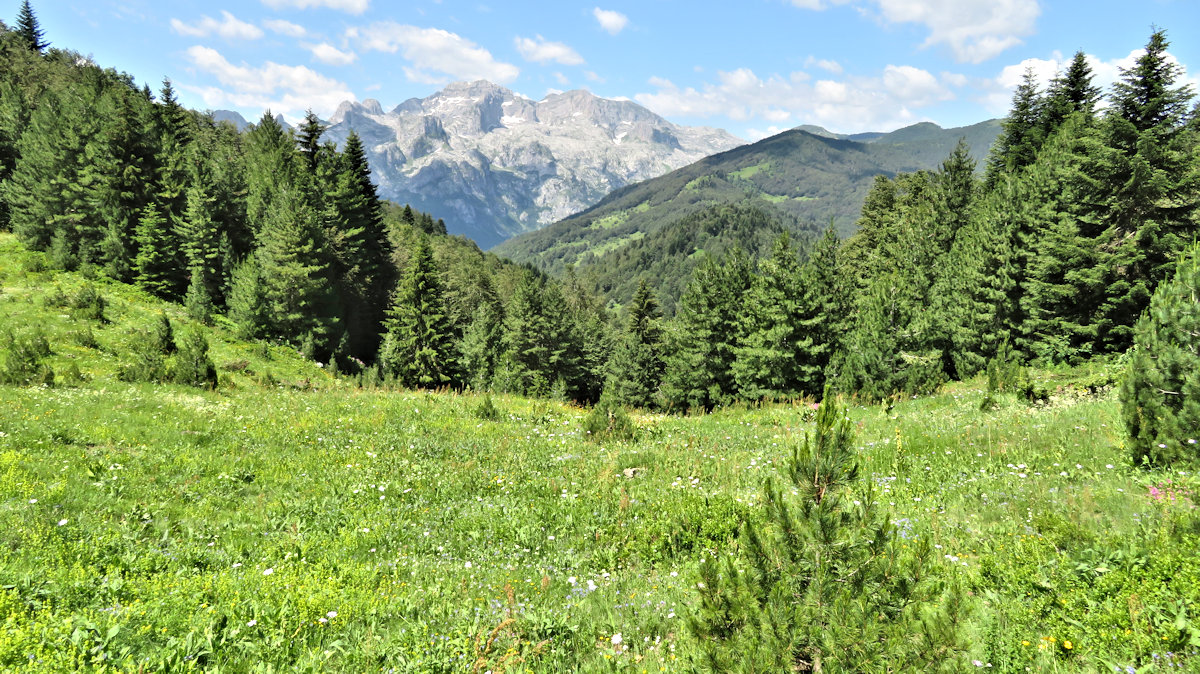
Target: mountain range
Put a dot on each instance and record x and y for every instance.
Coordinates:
(801, 180)
(495, 164)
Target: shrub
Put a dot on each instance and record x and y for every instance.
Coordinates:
(147, 361)
(25, 360)
(608, 420)
(826, 583)
(1160, 395)
(487, 410)
(88, 304)
(193, 367)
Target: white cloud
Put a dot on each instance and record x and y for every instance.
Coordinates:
(593, 77)
(610, 21)
(436, 55)
(758, 134)
(330, 55)
(974, 30)
(889, 100)
(541, 51)
(229, 27)
(283, 89)
(284, 28)
(996, 93)
(351, 6)
(561, 79)
(824, 64)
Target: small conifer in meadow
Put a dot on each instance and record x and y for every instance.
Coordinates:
(1160, 396)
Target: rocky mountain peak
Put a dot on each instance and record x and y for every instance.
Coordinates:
(495, 163)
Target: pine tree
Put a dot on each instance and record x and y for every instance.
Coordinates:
(768, 358)
(826, 584)
(295, 279)
(308, 140)
(155, 265)
(481, 345)
(419, 346)
(1143, 189)
(1069, 94)
(1021, 132)
(1160, 394)
(359, 246)
(541, 351)
(704, 337)
(27, 28)
(823, 307)
(637, 365)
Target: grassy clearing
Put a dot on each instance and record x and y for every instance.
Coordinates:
(299, 523)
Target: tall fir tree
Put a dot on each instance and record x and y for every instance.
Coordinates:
(637, 365)
(419, 347)
(29, 30)
(1142, 189)
(1021, 132)
(704, 337)
(768, 358)
(1069, 94)
(541, 351)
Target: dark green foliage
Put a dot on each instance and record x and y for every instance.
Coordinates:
(1160, 394)
(419, 346)
(28, 30)
(609, 420)
(768, 357)
(703, 341)
(308, 140)
(247, 299)
(25, 360)
(1069, 94)
(638, 363)
(88, 304)
(155, 264)
(145, 360)
(1023, 131)
(192, 366)
(487, 409)
(1142, 190)
(481, 344)
(826, 583)
(541, 348)
(162, 336)
(198, 301)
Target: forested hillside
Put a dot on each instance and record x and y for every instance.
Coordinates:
(800, 180)
(1049, 257)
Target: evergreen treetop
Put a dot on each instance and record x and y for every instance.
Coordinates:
(27, 27)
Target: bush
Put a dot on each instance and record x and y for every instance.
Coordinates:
(24, 360)
(147, 361)
(609, 421)
(193, 367)
(487, 410)
(88, 304)
(826, 583)
(1160, 395)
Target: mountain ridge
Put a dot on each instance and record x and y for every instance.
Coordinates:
(494, 163)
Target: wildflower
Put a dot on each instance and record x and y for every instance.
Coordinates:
(571, 580)
(616, 639)
(267, 572)
(468, 565)
(251, 623)
(977, 663)
(33, 500)
(62, 523)
(1068, 645)
(331, 614)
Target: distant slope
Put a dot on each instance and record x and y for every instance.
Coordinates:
(801, 180)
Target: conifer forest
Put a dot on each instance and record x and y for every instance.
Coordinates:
(253, 417)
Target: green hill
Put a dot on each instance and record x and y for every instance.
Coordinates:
(296, 521)
(800, 179)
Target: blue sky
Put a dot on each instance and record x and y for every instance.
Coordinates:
(752, 67)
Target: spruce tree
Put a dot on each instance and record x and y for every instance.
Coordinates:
(1069, 94)
(155, 263)
(823, 307)
(637, 365)
(541, 349)
(704, 337)
(1143, 189)
(1160, 394)
(1021, 131)
(308, 140)
(419, 346)
(28, 29)
(768, 358)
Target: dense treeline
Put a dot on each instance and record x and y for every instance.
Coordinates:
(1049, 254)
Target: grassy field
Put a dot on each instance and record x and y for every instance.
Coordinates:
(290, 520)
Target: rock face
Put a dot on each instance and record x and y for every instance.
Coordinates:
(495, 164)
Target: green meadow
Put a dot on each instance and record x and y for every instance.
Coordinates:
(291, 520)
